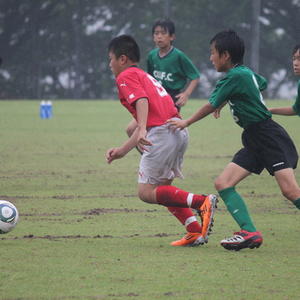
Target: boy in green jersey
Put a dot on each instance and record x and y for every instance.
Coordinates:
(266, 143)
(295, 109)
(170, 66)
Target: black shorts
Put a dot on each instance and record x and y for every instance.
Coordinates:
(266, 145)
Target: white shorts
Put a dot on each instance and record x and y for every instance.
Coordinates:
(164, 159)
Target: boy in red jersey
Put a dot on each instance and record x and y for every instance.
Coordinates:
(151, 106)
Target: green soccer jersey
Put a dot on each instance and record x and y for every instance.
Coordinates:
(173, 70)
(296, 106)
(241, 88)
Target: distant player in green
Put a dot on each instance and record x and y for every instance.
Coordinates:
(266, 143)
(170, 66)
(295, 109)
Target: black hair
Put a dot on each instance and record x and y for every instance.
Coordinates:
(166, 24)
(296, 48)
(229, 41)
(125, 45)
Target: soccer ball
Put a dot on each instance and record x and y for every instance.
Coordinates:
(9, 216)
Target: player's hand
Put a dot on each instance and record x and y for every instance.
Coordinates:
(142, 141)
(182, 99)
(177, 124)
(114, 153)
(217, 113)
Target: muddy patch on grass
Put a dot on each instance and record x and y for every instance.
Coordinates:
(78, 236)
(67, 197)
(99, 211)
(90, 212)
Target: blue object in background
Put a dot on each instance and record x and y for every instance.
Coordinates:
(48, 107)
(43, 109)
(46, 111)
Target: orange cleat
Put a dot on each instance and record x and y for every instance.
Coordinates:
(206, 213)
(190, 239)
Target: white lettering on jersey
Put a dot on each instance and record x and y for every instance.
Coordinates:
(161, 91)
(256, 84)
(163, 75)
(235, 118)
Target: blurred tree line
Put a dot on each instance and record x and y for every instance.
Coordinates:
(58, 48)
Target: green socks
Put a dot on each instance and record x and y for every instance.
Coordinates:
(297, 203)
(238, 209)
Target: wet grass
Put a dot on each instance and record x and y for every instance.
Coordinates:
(83, 233)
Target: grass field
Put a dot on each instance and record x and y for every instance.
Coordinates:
(83, 233)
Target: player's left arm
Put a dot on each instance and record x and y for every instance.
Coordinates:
(184, 96)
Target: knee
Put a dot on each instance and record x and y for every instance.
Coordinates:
(146, 196)
(142, 195)
(220, 184)
(290, 194)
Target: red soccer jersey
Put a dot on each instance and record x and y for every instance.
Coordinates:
(133, 84)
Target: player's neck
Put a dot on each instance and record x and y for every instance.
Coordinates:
(230, 66)
(165, 51)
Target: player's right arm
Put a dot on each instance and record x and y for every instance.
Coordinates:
(184, 96)
(142, 109)
(198, 115)
(285, 111)
(138, 137)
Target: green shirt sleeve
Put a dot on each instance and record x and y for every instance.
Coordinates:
(188, 67)
(224, 88)
(241, 88)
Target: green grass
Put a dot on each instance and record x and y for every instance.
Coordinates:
(83, 233)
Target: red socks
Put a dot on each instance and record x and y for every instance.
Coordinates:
(168, 195)
(186, 218)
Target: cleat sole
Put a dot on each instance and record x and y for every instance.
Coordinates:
(238, 247)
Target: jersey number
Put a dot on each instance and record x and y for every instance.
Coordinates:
(161, 91)
(235, 118)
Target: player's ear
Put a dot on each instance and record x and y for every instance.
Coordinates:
(123, 59)
(226, 55)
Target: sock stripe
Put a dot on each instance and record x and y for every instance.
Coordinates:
(189, 199)
(190, 220)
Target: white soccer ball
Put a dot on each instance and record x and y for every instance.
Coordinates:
(9, 216)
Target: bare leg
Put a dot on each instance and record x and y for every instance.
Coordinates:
(147, 192)
(288, 185)
(231, 176)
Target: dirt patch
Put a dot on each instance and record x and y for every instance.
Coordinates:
(78, 236)
(91, 212)
(100, 211)
(68, 197)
